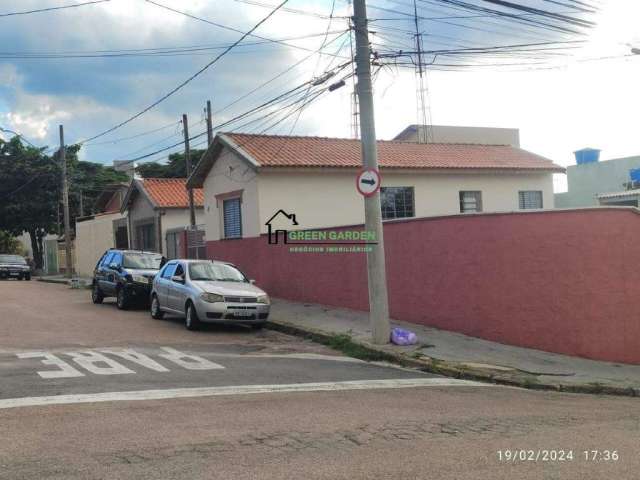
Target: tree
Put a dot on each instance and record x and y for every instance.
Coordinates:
(176, 166)
(30, 189)
(10, 244)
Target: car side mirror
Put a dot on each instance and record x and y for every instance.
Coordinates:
(177, 279)
(252, 281)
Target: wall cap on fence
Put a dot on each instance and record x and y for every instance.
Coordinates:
(634, 210)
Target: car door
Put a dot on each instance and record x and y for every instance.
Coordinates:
(102, 273)
(162, 283)
(112, 271)
(177, 291)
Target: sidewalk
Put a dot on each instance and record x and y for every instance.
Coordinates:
(456, 355)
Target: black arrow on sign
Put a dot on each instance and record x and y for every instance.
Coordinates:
(368, 182)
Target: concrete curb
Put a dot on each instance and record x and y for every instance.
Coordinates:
(62, 281)
(51, 280)
(454, 370)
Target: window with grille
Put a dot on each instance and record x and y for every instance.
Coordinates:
(470, 201)
(397, 202)
(232, 218)
(530, 199)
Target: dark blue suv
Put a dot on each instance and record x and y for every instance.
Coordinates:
(125, 274)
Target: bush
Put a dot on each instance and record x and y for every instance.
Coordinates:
(10, 244)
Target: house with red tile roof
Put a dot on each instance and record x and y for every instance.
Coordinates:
(247, 178)
(157, 211)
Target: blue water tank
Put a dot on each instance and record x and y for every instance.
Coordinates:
(587, 155)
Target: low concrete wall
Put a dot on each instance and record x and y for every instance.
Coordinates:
(93, 237)
(560, 281)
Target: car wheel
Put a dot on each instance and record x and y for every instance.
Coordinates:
(156, 312)
(96, 294)
(257, 326)
(27, 277)
(122, 300)
(192, 322)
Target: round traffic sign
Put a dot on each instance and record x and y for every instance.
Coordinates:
(368, 181)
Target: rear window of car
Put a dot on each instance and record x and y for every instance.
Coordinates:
(142, 261)
(12, 259)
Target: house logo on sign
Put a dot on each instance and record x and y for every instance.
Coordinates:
(273, 234)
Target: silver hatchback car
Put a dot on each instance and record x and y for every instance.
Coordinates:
(207, 292)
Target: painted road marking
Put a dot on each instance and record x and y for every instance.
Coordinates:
(99, 364)
(235, 390)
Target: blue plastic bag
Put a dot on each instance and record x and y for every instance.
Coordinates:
(400, 336)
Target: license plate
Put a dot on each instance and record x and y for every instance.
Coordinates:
(243, 314)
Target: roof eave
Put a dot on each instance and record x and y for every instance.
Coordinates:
(206, 163)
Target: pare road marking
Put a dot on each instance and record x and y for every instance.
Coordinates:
(98, 363)
(235, 390)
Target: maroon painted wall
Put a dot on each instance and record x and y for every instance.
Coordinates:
(560, 281)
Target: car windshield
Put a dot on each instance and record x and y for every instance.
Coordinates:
(142, 261)
(16, 259)
(215, 272)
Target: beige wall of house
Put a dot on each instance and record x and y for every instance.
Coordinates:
(142, 212)
(323, 198)
(93, 237)
(328, 197)
(230, 174)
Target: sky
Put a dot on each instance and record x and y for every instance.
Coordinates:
(587, 97)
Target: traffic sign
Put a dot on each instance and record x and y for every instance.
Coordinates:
(368, 181)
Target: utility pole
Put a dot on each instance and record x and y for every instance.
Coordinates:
(376, 271)
(65, 202)
(187, 158)
(209, 124)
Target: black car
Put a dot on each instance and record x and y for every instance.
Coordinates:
(125, 274)
(14, 266)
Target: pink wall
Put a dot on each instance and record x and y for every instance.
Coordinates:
(561, 281)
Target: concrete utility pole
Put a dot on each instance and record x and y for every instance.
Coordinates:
(187, 158)
(378, 300)
(65, 203)
(209, 124)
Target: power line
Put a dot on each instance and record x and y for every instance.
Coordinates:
(192, 77)
(144, 52)
(225, 27)
(27, 12)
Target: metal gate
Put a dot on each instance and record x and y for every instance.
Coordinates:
(196, 245)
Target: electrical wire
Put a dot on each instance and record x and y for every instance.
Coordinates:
(191, 78)
(49, 9)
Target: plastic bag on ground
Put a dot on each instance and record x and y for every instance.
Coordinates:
(399, 336)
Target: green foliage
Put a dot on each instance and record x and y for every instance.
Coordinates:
(10, 244)
(175, 167)
(30, 186)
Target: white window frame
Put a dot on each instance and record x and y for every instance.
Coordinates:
(525, 201)
(477, 194)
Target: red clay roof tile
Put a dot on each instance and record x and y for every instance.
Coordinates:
(171, 192)
(284, 151)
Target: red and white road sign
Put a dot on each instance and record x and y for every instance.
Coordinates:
(368, 181)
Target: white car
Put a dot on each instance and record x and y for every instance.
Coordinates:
(206, 291)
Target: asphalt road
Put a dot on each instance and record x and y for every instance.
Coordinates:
(89, 392)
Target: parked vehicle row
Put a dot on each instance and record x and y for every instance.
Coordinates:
(201, 291)
(14, 266)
